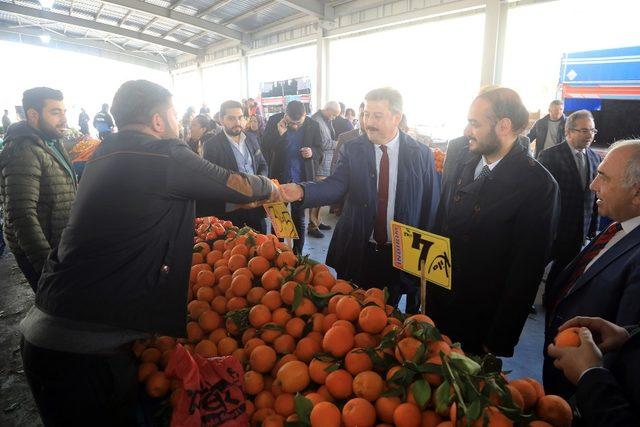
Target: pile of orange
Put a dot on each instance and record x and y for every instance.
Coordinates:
(317, 347)
(438, 158)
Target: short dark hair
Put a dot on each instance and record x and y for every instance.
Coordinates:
(136, 101)
(295, 110)
(205, 121)
(556, 102)
(227, 105)
(35, 97)
(342, 107)
(350, 110)
(506, 104)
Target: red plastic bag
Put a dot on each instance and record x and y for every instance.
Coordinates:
(212, 391)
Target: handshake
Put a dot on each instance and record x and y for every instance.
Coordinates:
(280, 193)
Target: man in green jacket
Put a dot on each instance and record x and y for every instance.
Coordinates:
(37, 182)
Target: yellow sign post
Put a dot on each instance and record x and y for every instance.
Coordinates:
(281, 220)
(425, 255)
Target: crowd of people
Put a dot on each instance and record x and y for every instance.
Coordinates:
(108, 259)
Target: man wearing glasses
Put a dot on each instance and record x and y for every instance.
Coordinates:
(573, 165)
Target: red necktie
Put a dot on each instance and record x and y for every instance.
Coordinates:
(380, 227)
(585, 258)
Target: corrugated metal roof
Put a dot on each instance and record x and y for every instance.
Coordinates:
(265, 17)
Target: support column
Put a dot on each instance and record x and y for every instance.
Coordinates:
(201, 80)
(321, 93)
(244, 77)
(502, 37)
(492, 30)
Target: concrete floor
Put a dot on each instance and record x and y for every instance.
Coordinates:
(527, 358)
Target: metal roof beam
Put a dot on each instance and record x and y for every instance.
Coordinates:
(124, 18)
(99, 26)
(92, 47)
(250, 12)
(172, 31)
(179, 17)
(213, 8)
(310, 7)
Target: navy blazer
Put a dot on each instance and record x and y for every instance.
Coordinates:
(610, 289)
(355, 178)
(578, 217)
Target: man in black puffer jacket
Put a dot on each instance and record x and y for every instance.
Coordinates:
(121, 269)
(37, 182)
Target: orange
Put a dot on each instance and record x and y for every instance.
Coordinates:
(244, 271)
(237, 261)
(287, 291)
(516, 397)
(345, 324)
(217, 335)
(281, 316)
(372, 319)
(258, 265)
(213, 256)
(284, 359)
(145, 369)
(151, 355)
(568, 338)
(271, 279)
(358, 412)
(226, 346)
(285, 344)
(306, 308)
(307, 348)
(205, 294)
(287, 258)
(385, 406)
(268, 250)
(407, 415)
(224, 282)
(435, 347)
(554, 410)
(527, 391)
(333, 302)
(240, 356)
(348, 308)
(337, 341)
(259, 315)
(317, 370)
(262, 358)
(269, 335)
(240, 285)
(325, 414)
(206, 348)
(538, 423)
(196, 308)
(323, 278)
(209, 320)
(430, 419)
(293, 376)
(537, 386)
(434, 379)
(194, 332)
(303, 274)
(316, 336)
(164, 342)
(339, 383)
(342, 287)
(253, 382)
(260, 415)
(206, 278)
(295, 327)
(272, 300)
(196, 258)
(285, 404)
(264, 399)
(407, 349)
(357, 361)
(273, 420)
(496, 418)
(157, 384)
(328, 321)
(251, 344)
(315, 398)
(368, 385)
(366, 340)
(255, 295)
(240, 249)
(236, 303)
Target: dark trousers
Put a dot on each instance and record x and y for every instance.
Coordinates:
(81, 389)
(29, 272)
(297, 215)
(379, 272)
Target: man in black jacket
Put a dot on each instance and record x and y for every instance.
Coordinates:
(499, 208)
(121, 269)
(294, 143)
(234, 150)
(549, 130)
(607, 392)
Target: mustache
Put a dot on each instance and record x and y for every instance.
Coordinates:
(371, 128)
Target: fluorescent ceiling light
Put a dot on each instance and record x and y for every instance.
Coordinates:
(47, 4)
(45, 38)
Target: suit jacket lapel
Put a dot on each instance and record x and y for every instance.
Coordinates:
(465, 181)
(404, 166)
(627, 243)
(592, 158)
(568, 154)
(228, 152)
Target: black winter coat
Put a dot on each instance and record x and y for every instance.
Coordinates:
(538, 132)
(125, 255)
(501, 228)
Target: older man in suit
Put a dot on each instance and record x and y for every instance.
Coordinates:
(573, 165)
(500, 212)
(383, 175)
(604, 279)
(234, 150)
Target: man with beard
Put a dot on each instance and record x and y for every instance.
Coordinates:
(37, 182)
(501, 219)
(573, 165)
(383, 175)
(240, 152)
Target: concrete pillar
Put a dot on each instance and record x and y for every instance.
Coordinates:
(321, 93)
(244, 77)
(200, 80)
(490, 47)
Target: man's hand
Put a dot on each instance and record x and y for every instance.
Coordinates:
(607, 336)
(282, 126)
(306, 152)
(291, 192)
(574, 361)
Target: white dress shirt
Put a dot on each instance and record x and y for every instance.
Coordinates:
(481, 164)
(627, 227)
(393, 147)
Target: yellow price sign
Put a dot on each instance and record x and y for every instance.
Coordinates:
(280, 217)
(414, 249)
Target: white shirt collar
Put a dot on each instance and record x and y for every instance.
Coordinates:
(393, 144)
(230, 139)
(484, 163)
(629, 225)
(575, 151)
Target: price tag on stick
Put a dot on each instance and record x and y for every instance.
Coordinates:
(281, 220)
(425, 255)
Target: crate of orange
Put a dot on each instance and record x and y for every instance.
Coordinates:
(318, 351)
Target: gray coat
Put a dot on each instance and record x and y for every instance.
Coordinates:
(328, 144)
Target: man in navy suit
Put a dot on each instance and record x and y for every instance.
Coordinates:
(383, 175)
(573, 165)
(604, 279)
(234, 150)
